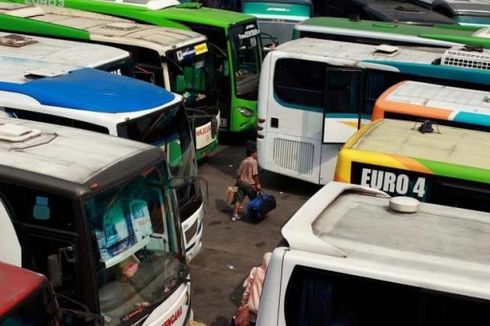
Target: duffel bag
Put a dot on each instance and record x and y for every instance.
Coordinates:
(262, 204)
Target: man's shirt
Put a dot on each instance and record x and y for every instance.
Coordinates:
(248, 169)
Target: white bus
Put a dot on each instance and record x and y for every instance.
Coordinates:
(102, 57)
(115, 105)
(174, 59)
(314, 94)
(355, 256)
(97, 216)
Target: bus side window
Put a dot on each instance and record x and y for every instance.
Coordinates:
(300, 82)
(54, 119)
(376, 83)
(342, 91)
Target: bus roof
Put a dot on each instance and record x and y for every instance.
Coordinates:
(442, 35)
(17, 284)
(104, 28)
(457, 146)
(353, 53)
(159, 13)
(58, 51)
(66, 159)
(395, 10)
(465, 7)
(295, 2)
(85, 89)
(198, 14)
(437, 102)
(436, 247)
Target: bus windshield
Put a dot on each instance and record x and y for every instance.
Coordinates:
(187, 68)
(139, 252)
(168, 129)
(247, 58)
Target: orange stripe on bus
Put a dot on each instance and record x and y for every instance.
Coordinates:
(383, 105)
(412, 164)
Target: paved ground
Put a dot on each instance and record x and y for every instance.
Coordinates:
(231, 249)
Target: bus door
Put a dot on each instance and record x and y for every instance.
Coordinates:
(342, 114)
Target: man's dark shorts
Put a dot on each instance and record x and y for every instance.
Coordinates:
(244, 189)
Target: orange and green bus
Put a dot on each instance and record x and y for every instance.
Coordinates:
(455, 106)
(433, 163)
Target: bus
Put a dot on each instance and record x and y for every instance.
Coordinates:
(50, 50)
(433, 163)
(314, 94)
(372, 32)
(409, 100)
(465, 13)
(170, 58)
(276, 18)
(114, 105)
(27, 298)
(234, 45)
(386, 10)
(100, 221)
(352, 255)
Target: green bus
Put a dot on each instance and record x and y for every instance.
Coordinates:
(373, 32)
(233, 39)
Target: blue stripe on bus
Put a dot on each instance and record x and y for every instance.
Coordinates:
(297, 106)
(478, 76)
(332, 115)
(93, 90)
(478, 119)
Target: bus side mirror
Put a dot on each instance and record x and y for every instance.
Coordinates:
(54, 270)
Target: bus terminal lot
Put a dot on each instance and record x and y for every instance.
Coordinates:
(231, 249)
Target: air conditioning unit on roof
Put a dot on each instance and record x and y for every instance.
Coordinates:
(467, 57)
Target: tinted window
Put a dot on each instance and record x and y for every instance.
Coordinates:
(300, 82)
(37, 207)
(57, 120)
(39, 309)
(343, 91)
(318, 297)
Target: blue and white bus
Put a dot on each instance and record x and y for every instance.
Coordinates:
(314, 94)
(115, 105)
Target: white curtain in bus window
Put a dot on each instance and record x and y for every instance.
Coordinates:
(140, 217)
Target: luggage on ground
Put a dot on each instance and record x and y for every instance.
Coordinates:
(258, 207)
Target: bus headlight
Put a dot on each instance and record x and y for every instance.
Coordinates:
(245, 112)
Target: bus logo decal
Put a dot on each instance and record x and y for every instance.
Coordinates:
(249, 34)
(172, 319)
(393, 183)
(201, 48)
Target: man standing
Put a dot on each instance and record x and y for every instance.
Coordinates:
(247, 181)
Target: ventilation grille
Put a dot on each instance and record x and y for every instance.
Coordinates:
(293, 155)
(467, 59)
(16, 41)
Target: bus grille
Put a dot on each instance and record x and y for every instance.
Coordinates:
(294, 155)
